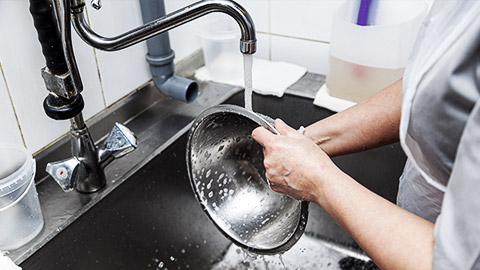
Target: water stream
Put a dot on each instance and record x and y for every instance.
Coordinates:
(247, 71)
(308, 254)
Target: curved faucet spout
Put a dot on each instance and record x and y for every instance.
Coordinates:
(168, 22)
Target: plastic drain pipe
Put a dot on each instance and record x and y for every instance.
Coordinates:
(160, 57)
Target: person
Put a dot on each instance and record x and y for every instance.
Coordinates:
(434, 111)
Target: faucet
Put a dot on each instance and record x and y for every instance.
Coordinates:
(248, 39)
(84, 171)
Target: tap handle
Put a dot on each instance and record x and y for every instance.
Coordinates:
(65, 172)
(96, 4)
(119, 142)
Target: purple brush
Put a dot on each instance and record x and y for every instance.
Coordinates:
(363, 12)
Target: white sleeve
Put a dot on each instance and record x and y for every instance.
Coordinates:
(457, 230)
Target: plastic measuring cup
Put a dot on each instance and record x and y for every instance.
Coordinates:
(220, 36)
(20, 213)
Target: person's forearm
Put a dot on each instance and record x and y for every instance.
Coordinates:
(369, 124)
(392, 237)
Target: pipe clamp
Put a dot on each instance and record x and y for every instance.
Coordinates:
(60, 85)
(160, 60)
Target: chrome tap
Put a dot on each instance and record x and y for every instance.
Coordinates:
(96, 4)
(84, 171)
(248, 39)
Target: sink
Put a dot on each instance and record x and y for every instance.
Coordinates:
(153, 221)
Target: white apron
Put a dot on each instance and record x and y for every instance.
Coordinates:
(440, 129)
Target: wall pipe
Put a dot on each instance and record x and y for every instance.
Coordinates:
(160, 57)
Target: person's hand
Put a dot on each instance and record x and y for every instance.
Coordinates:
(294, 164)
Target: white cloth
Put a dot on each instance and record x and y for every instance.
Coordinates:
(7, 264)
(324, 100)
(440, 131)
(269, 78)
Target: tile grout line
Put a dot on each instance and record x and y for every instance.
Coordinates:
(13, 106)
(269, 30)
(99, 77)
(98, 67)
(293, 37)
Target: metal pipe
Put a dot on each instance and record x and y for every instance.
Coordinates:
(77, 122)
(66, 30)
(168, 22)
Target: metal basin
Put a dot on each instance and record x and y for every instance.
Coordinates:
(153, 221)
(225, 167)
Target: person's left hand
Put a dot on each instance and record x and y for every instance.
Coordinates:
(294, 164)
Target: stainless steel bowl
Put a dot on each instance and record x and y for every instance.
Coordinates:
(226, 171)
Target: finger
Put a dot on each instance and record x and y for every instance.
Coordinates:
(269, 176)
(279, 189)
(283, 128)
(262, 136)
(275, 178)
(272, 180)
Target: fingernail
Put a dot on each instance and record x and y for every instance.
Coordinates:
(301, 130)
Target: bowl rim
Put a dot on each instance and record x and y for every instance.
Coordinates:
(261, 121)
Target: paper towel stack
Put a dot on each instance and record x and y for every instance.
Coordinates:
(7, 264)
(269, 77)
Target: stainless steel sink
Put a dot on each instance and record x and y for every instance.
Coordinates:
(153, 221)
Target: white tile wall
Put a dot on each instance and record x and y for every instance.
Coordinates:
(296, 31)
(304, 24)
(10, 131)
(259, 10)
(21, 58)
(263, 46)
(183, 39)
(310, 54)
(308, 19)
(121, 71)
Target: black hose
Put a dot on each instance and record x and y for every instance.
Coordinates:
(45, 22)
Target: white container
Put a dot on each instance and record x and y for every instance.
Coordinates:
(366, 59)
(220, 37)
(20, 213)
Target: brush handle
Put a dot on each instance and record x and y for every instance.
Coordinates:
(363, 12)
(46, 25)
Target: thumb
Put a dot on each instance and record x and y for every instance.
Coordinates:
(283, 128)
(262, 136)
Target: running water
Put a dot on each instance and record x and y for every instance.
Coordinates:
(247, 71)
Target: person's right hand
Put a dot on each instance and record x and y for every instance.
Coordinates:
(294, 164)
